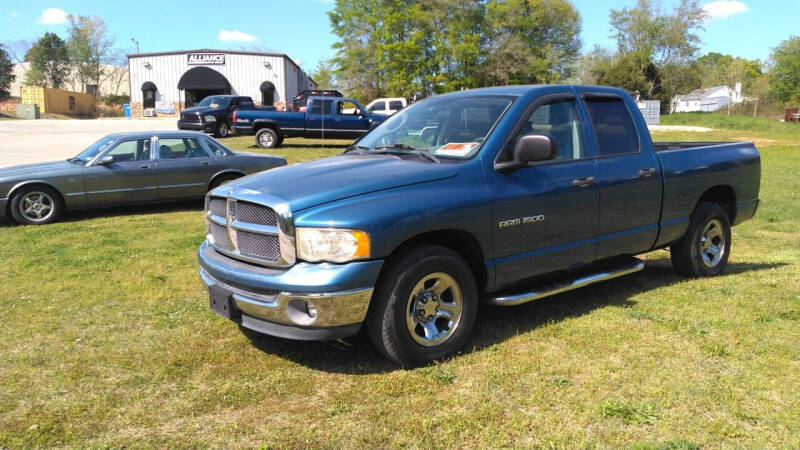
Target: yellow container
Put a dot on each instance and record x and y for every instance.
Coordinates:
(58, 101)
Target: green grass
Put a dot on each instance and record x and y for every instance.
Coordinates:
(107, 341)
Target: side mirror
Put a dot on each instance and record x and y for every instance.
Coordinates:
(530, 148)
(535, 147)
(106, 160)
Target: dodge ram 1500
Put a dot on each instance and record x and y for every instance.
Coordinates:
(505, 195)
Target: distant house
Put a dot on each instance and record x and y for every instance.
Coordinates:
(708, 99)
(113, 81)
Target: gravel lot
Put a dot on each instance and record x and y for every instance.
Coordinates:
(26, 141)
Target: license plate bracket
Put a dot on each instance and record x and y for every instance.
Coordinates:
(221, 302)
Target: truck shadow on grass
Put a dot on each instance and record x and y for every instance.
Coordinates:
(495, 324)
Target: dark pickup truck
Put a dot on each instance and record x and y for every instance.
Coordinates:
(505, 195)
(214, 114)
(325, 118)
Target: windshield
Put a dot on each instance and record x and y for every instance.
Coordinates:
(441, 126)
(93, 150)
(214, 101)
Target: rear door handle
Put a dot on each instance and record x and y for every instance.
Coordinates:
(644, 173)
(145, 166)
(583, 182)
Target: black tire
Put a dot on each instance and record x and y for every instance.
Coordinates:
(222, 179)
(222, 130)
(696, 254)
(394, 310)
(39, 201)
(267, 138)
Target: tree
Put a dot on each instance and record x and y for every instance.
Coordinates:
(785, 73)
(6, 73)
(49, 62)
(324, 75)
(531, 41)
(18, 49)
(89, 47)
(716, 69)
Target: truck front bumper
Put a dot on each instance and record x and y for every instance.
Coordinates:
(307, 301)
(206, 127)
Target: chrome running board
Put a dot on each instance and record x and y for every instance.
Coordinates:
(634, 265)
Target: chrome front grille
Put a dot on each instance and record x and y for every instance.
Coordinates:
(249, 231)
(257, 214)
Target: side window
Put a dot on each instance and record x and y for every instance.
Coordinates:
(377, 106)
(136, 150)
(395, 105)
(176, 148)
(346, 107)
(613, 126)
(216, 148)
(559, 120)
(322, 107)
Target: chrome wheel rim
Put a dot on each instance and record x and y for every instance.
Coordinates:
(712, 243)
(265, 139)
(433, 310)
(223, 130)
(36, 206)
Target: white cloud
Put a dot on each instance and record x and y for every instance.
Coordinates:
(13, 14)
(235, 35)
(721, 9)
(53, 16)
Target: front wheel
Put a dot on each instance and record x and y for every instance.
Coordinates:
(425, 306)
(222, 130)
(36, 205)
(703, 251)
(267, 138)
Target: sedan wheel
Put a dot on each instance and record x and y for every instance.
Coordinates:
(36, 206)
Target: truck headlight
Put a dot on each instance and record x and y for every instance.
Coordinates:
(331, 244)
(210, 118)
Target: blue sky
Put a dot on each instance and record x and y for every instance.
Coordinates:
(300, 28)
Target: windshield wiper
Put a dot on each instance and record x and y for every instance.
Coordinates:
(405, 148)
(356, 147)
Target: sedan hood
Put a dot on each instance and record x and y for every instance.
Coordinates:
(326, 180)
(39, 170)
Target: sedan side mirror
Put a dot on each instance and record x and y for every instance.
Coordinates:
(106, 160)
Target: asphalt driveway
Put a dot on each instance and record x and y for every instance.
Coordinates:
(27, 141)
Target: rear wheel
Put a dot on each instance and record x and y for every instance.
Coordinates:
(36, 205)
(425, 306)
(704, 249)
(267, 138)
(222, 130)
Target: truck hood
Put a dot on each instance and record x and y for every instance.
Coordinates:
(201, 110)
(314, 183)
(39, 170)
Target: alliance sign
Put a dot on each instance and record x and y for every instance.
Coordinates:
(197, 59)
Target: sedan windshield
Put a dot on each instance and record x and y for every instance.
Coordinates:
(214, 101)
(93, 150)
(439, 126)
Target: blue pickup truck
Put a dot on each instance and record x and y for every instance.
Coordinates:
(324, 118)
(505, 195)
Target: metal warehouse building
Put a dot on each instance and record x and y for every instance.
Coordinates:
(164, 83)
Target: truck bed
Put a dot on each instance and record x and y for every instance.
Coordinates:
(681, 145)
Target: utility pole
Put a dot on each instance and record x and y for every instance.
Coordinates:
(137, 45)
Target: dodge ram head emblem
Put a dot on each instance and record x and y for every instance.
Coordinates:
(520, 221)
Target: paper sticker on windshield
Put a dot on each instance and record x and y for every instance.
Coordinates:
(456, 148)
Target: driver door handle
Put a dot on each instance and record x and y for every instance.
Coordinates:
(145, 166)
(644, 173)
(583, 182)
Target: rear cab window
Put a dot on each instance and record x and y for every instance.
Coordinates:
(613, 126)
(321, 107)
(395, 105)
